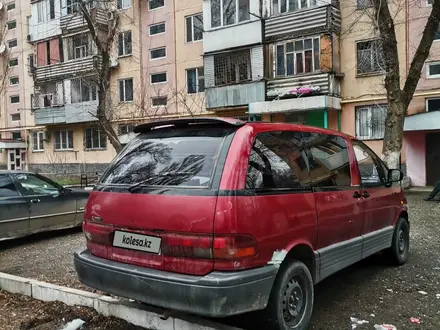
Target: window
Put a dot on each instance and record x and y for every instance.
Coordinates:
(15, 117)
(124, 43)
(79, 46)
(94, 138)
(328, 160)
(13, 81)
(158, 53)
(63, 140)
(153, 4)
(41, 13)
(16, 136)
(437, 35)
(284, 6)
(82, 90)
(52, 9)
(7, 187)
(159, 101)
(370, 122)
(31, 62)
(233, 67)
(194, 27)
(156, 78)
(296, 57)
(38, 141)
(278, 161)
(13, 62)
(228, 12)
(433, 104)
(124, 4)
(10, 6)
(195, 80)
(36, 185)
(370, 57)
(12, 43)
(372, 170)
(126, 128)
(15, 99)
(362, 4)
(72, 6)
(433, 70)
(157, 28)
(12, 25)
(169, 158)
(126, 90)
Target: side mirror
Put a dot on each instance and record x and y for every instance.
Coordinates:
(395, 175)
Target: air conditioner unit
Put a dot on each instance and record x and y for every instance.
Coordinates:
(110, 16)
(114, 62)
(29, 37)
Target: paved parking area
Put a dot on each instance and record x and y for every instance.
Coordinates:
(365, 289)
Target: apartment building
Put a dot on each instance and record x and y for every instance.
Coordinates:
(15, 117)
(422, 126)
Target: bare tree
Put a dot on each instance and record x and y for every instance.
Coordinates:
(383, 15)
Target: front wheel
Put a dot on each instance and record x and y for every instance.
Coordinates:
(291, 300)
(398, 253)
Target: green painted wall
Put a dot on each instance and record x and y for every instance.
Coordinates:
(315, 118)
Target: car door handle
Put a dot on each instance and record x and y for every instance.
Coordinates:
(365, 194)
(357, 195)
(36, 200)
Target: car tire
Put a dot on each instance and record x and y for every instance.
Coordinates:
(291, 299)
(398, 253)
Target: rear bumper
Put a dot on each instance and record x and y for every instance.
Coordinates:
(217, 294)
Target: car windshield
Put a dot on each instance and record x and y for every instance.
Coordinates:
(172, 157)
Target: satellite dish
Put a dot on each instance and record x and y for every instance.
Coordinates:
(2, 48)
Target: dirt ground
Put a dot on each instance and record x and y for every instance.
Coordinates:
(23, 313)
(368, 288)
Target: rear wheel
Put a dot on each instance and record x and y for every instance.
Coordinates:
(398, 253)
(291, 300)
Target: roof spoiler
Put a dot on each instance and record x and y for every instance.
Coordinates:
(185, 122)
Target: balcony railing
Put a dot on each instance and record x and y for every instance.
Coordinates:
(68, 114)
(318, 83)
(304, 22)
(76, 21)
(72, 68)
(235, 95)
(48, 116)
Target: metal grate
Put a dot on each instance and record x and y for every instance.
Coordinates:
(232, 67)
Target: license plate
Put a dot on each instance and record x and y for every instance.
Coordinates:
(138, 242)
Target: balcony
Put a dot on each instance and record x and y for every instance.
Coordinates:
(303, 22)
(68, 69)
(321, 83)
(68, 114)
(75, 21)
(235, 95)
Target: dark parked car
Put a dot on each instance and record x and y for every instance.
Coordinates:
(220, 217)
(31, 203)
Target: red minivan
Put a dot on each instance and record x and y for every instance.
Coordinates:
(217, 217)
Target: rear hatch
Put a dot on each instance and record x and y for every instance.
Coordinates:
(155, 204)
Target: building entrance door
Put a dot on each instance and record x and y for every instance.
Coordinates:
(14, 159)
(432, 158)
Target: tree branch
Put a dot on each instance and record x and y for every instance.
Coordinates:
(422, 53)
(90, 25)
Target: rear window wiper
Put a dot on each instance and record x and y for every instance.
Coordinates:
(160, 175)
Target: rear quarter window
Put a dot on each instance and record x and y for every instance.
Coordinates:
(174, 157)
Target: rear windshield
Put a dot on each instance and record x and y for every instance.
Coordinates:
(174, 157)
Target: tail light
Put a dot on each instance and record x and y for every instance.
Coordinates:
(219, 247)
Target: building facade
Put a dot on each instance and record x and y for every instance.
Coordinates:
(422, 125)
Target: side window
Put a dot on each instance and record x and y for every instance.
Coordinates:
(7, 187)
(373, 172)
(36, 186)
(278, 161)
(328, 158)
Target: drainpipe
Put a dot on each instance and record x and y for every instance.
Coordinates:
(175, 53)
(141, 58)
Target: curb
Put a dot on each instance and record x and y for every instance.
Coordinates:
(135, 313)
